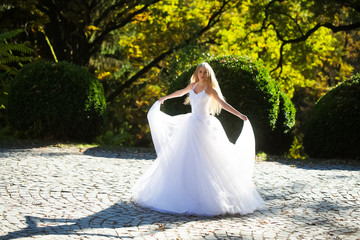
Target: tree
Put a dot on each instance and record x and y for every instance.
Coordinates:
(77, 30)
(179, 29)
(334, 15)
(304, 43)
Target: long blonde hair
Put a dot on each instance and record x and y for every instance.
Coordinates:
(215, 107)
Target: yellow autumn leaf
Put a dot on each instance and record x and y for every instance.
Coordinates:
(93, 28)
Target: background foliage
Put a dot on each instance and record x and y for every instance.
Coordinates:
(333, 128)
(56, 100)
(12, 57)
(136, 47)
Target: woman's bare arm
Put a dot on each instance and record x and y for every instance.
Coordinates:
(178, 93)
(212, 92)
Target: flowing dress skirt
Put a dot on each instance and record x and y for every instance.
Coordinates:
(197, 169)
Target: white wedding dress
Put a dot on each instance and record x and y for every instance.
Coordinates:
(198, 170)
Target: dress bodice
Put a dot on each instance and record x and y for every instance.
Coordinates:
(200, 102)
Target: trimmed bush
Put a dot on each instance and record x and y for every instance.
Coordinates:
(333, 129)
(248, 87)
(56, 100)
(285, 122)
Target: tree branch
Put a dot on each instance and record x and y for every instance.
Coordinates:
(212, 21)
(292, 19)
(93, 3)
(107, 11)
(303, 38)
(137, 75)
(280, 63)
(263, 25)
(340, 28)
(295, 40)
(101, 37)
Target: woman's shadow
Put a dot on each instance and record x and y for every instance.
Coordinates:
(119, 215)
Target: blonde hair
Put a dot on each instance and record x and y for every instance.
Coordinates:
(215, 107)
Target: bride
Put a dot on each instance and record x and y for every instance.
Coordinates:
(197, 169)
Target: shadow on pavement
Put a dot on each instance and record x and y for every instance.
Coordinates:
(318, 164)
(115, 217)
(128, 215)
(121, 152)
(104, 152)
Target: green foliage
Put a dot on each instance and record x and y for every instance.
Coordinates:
(248, 87)
(258, 28)
(333, 128)
(56, 100)
(11, 53)
(109, 138)
(4, 89)
(183, 59)
(126, 115)
(123, 37)
(284, 124)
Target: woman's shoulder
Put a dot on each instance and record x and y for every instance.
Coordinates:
(190, 86)
(210, 91)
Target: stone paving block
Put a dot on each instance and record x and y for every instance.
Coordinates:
(210, 237)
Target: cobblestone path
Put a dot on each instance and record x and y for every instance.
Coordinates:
(63, 193)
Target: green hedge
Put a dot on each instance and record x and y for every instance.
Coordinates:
(56, 100)
(247, 86)
(333, 129)
(283, 134)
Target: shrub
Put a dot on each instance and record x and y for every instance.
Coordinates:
(248, 87)
(57, 100)
(333, 129)
(283, 133)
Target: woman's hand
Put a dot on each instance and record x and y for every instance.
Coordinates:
(243, 117)
(162, 99)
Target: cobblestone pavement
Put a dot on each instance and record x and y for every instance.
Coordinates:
(65, 193)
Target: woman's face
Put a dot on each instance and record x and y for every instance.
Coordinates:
(202, 74)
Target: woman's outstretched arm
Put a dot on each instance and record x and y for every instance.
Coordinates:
(178, 93)
(212, 92)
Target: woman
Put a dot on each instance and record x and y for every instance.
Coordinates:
(198, 170)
